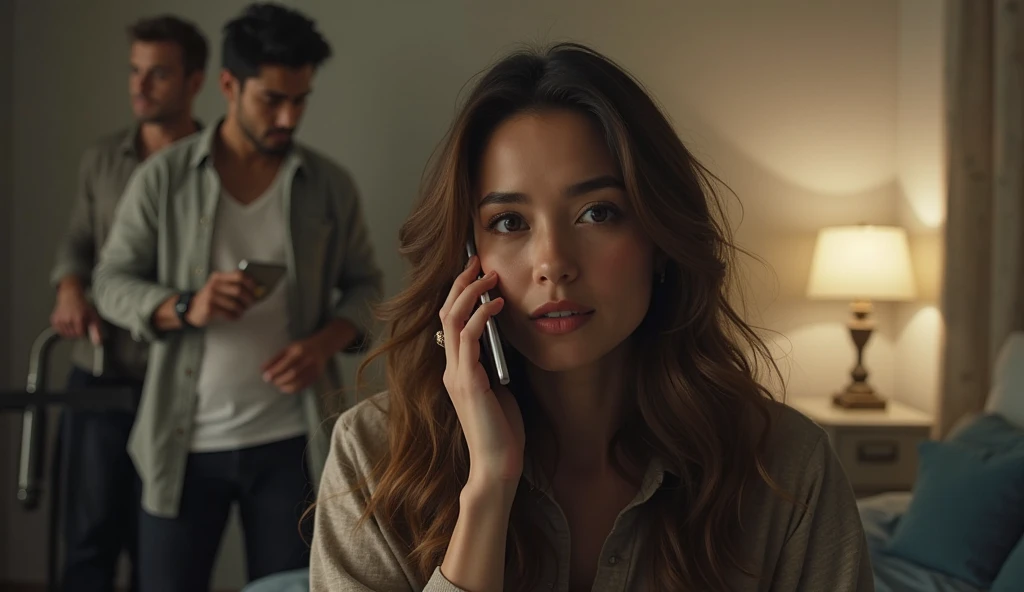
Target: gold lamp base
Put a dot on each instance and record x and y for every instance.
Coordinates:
(859, 394)
(852, 399)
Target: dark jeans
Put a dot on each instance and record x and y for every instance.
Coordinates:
(100, 491)
(270, 485)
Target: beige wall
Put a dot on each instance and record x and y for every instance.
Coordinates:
(921, 171)
(794, 104)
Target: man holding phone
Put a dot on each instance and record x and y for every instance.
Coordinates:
(231, 404)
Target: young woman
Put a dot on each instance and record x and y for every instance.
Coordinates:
(636, 446)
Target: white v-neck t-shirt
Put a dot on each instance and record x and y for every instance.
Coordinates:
(236, 407)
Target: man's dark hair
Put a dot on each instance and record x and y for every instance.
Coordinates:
(194, 49)
(270, 34)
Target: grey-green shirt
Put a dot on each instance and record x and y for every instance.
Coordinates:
(816, 545)
(103, 173)
(159, 246)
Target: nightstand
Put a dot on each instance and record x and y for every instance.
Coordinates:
(877, 447)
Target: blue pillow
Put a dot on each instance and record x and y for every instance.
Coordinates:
(967, 512)
(1011, 576)
(991, 432)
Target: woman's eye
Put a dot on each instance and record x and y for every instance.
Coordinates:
(507, 223)
(599, 214)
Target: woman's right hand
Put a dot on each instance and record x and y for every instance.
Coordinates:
(490, 417)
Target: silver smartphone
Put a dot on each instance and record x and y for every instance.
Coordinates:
(492, 340)
(266, 275)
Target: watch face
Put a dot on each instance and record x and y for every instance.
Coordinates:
(181, 306)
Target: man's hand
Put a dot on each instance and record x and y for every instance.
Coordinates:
(73, 317)
(226, 295)
(296, 367)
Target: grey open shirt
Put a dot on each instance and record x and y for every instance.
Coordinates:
(159, 246)
(102, 176)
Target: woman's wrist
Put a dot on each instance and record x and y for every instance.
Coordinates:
(475, 559)
(488, 495)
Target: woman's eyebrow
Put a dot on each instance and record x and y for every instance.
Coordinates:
(585, 187)
(574, 190)
(503, 198)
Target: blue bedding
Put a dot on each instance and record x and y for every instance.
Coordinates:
(289, 581)
(879, 515)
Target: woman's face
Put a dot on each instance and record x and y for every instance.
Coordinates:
(573, 264)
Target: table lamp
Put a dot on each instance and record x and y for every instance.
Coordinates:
(861, 264)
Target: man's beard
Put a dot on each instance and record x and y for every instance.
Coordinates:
(262, 147)
(161, 117)
(162, 114)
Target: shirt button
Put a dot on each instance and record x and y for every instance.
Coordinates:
(202, 221)
(188, 372)
(613, 560)
(198, 271)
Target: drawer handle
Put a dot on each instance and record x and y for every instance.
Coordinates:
(878, 452)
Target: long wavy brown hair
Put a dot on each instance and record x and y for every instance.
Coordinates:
(698, 404)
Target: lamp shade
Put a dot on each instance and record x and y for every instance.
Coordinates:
(861, 263)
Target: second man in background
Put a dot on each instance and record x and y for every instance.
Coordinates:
(167, 61)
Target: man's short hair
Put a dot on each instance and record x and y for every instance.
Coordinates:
(268, 34)
(194, 49)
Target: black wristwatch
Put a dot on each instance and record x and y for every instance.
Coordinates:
(181, 307)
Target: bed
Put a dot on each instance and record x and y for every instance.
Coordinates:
(962, 527)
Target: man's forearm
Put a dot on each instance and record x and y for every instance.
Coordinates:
(75, 257)
(131, 302)
(71, 284)
(165, 317)
(338, 335)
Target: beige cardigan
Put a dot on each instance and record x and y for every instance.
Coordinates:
(817, 547)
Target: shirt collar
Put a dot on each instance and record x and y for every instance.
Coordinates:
(130, 143)
(128, 146)
(653, 477)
